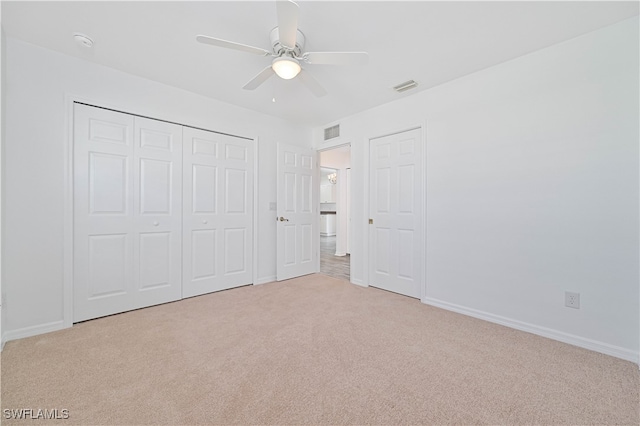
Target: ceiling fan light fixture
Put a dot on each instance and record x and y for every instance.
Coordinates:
(286, 67)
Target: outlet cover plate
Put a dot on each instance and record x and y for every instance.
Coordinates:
(572, 300)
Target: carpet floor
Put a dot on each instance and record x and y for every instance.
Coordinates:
(312, 350)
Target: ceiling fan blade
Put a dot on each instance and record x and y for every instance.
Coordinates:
(287, 23)
(259, 79)
(312, 84)
(232, 45)
(336, 58)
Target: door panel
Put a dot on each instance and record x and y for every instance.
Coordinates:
(217, 212)
(307, 243)
(155, 139)
(396, 192)
(236, 191)
(103, 209)
(108, 175)
(204, 188)
(127, 198)
(108, 265)
(155, 260)
(155, 186)
(234, 259)
(158, 206)
(297, 232)
(203, 254)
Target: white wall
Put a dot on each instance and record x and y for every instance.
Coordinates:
(37, 82)
(532, 189)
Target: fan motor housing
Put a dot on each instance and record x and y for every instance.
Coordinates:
(279, 49)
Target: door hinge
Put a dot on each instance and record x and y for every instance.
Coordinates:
(370, 221)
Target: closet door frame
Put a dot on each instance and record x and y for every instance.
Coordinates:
(68, 225)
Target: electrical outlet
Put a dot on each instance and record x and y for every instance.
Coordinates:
(572, 300)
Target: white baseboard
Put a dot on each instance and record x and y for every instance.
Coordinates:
(358, 282)
(34, 330)
(560, 336)
(265, 280)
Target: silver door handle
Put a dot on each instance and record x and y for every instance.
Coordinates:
(282, 219)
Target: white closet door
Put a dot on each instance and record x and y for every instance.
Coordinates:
(127, 200)
(103, 211)
(217, 212)
(157, 185)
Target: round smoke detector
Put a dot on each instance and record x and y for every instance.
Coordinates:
(83, 40)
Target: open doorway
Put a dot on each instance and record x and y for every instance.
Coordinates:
(335, 212)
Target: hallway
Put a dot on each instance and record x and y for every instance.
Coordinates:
(330, 264)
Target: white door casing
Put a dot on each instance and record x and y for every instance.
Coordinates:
(217, 211)
(127, 212)
(348, 210)
(297, 221)
(395, 199)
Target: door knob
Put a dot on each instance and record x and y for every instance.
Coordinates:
(205, 222)
(156, 223)
(282, 219)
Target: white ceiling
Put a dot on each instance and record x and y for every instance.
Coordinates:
(430, 42)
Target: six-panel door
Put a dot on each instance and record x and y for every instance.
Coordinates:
(395, 235)
(127, 212)
(217, 211)
(297, 228)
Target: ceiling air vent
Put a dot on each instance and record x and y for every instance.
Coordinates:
(403, 87)
(331, 132)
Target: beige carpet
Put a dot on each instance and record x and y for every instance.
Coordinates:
(313, 350)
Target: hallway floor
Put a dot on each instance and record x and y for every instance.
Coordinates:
(330, 264)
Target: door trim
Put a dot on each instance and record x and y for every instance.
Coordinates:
(67, 257)
(367, 202)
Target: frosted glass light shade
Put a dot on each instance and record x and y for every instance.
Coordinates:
(286, 67)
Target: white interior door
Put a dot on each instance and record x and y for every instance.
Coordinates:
(297, 234)
(127, 212)
(395, 229)
(218, 212)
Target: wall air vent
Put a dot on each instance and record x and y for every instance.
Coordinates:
(403, 87)
(331, 132)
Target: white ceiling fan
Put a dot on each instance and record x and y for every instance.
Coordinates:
(287, 49)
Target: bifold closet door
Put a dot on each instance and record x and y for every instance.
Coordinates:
(127, 212)
(217, 212)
